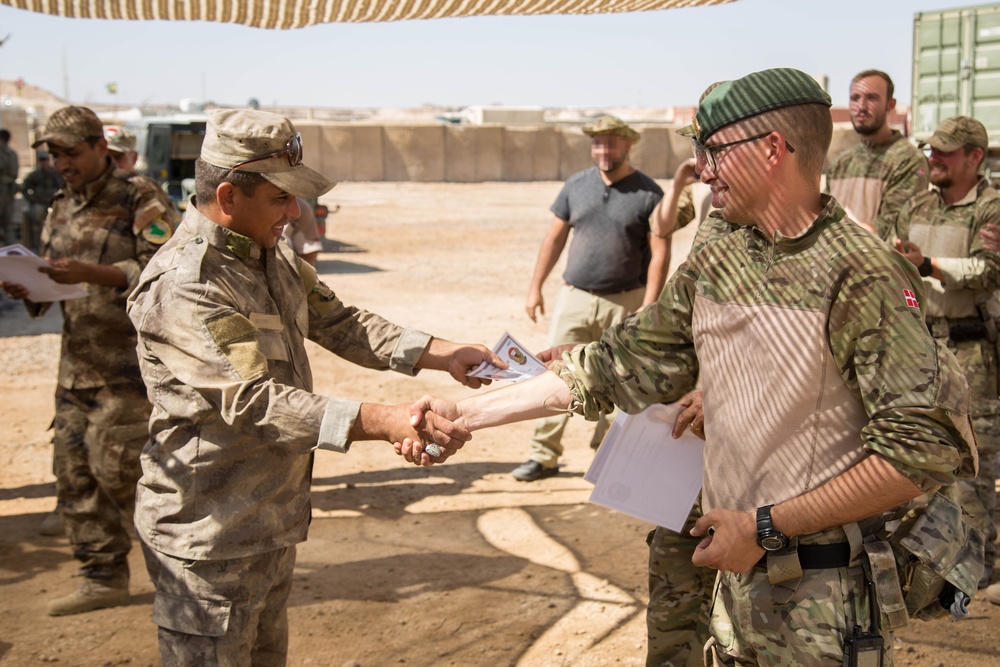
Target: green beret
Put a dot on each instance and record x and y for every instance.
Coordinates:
(753, 95)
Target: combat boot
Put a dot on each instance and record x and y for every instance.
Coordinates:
(92, 594)
(52, 525)
(992, 593)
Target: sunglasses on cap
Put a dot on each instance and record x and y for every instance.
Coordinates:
(293, 149)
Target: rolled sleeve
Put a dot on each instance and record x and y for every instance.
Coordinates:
(408, 350)
(335, 427)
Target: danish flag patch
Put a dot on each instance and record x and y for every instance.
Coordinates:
(911, 299)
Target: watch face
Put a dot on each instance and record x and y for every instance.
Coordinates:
(773, 543)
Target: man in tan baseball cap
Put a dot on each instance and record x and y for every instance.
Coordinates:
(101, 229)
(222, 313)
(938, 230)
(121, 147)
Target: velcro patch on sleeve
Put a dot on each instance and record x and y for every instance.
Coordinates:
(236, 337)
(158, 231)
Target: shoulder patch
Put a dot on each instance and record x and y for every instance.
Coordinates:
(158, 231)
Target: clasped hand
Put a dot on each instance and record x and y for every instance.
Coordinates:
(424, 412)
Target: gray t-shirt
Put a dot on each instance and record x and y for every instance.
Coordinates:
(609, 248)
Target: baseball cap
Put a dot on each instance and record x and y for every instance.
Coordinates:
(119, 139)
(958, 131)
(264, 143)
(611, 125)
(69, 126)
(752, 95)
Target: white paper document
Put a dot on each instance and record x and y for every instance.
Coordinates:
(642, 471)
(20, 266)
(521, 364)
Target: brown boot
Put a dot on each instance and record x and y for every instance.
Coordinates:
(52, 525)
(92, 594)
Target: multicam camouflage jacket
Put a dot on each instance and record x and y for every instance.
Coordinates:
(120, 220)
(950, 234)
(873, 182)
(222, 326)
(812, 352)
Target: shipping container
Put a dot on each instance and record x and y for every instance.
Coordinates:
(956, 69)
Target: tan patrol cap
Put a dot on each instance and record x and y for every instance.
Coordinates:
(69, 126)
(958, 131)
(611, 125)
(119, 139)
(264, 143)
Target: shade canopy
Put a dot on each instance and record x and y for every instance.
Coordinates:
(284, 14)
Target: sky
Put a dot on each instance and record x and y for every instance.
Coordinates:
(654, 59)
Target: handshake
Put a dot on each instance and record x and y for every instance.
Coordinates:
(440, 431)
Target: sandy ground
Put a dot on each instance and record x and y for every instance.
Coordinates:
(452, 565)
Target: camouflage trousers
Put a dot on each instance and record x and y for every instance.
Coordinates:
(97, 438)
(756, 623)
(977, 496)
(579, 317)
(225, 613)
(680, 596)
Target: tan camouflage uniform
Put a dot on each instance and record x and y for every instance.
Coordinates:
(812, 353)
(101, 416)
(222, 327)
(873, 182)
(956, 314)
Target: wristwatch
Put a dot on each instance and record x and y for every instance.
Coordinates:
(925, 269)
(767, 537)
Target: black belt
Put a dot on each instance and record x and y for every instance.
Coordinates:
(819, 556)
(960, 330)
(604, 292)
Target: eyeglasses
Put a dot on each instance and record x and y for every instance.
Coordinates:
(707, 154)
(293, 149)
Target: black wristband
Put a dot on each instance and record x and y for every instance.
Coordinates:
(925, 269)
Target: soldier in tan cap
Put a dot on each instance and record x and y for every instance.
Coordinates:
(102, 228)
(222, 314)
(121, 147)
(939, 231)
(615, 266)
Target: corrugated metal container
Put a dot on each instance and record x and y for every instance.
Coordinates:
(956, 68)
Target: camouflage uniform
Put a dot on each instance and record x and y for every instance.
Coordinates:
(39, 187)
(680, 593)
(956, 314)
(222, 326)
(812, 353)
(101, 414)
(873, 182)
(8, 186)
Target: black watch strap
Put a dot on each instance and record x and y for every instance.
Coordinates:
(768, 537)
(926, 268)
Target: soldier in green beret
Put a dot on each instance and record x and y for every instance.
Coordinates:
(827, 402)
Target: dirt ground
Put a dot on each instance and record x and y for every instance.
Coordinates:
(452, 565)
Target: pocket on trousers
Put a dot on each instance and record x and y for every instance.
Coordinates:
(205, 618)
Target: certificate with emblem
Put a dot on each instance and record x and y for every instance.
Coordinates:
(641, 470)
(521, 364)
(19, 266)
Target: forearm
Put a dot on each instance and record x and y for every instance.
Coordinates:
(664, 222)
(106, 275)
(869, 488)
(659, 266)
(541, 396)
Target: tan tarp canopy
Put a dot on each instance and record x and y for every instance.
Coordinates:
(285, 14)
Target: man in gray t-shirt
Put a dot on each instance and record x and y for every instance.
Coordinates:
(614, 266)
